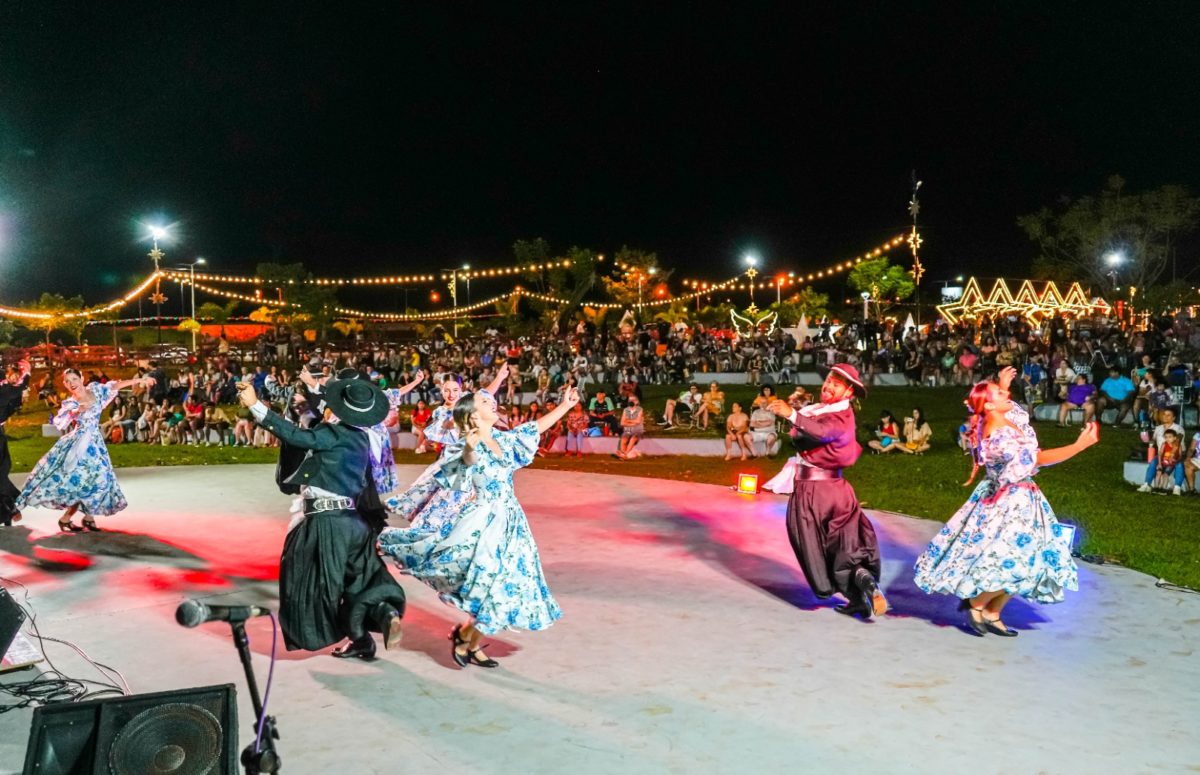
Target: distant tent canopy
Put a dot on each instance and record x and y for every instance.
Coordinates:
(1027, 302)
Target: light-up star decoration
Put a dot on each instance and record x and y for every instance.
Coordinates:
(914, 243)
(1026, 302)
(157, 297)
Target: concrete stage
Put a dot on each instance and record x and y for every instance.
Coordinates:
(690, 644)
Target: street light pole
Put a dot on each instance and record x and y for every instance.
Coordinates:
(453, 285)
(192, 282)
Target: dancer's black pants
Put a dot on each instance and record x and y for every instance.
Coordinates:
(831, 536)
(8, 490)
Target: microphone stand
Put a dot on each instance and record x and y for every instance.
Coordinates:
(267, 759)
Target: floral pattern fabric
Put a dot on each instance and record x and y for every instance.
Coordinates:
(485, 561)
(77, 469)
(1005, 537)
(426, 504)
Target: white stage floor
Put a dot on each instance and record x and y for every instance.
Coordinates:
(689, 644)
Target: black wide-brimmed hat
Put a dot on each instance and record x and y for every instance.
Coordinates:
(356, 401)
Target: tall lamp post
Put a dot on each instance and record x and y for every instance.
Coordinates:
(192, 282)
(467, 274)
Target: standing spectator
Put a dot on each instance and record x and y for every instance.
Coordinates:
(1118, 390)
(633, 427)
(577, 426)
(737, 431)
(1080, 395)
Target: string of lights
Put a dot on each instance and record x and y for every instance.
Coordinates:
(24, 314)
(798, 278)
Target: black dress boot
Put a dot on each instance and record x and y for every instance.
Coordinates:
(388, 619)
(362, 648)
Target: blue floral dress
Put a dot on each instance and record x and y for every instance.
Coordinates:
(77, 468)
(485, 562)
(1005, 537)
(428, 504)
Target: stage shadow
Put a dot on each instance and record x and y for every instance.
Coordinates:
(907, 600)
(691, 532)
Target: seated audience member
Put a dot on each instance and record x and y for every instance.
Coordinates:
(1159, 399)
(602, 414)
(763, 430)
(243, 429)
(215, 421)
(714, 402)
(1116, 391)
(420, 418)
(690, 401)
(628, 388)
(1167, 462)
(887, 435)
(1064, 377)
(633, 427)
(737, 431)
(577, 426)
(1080, 395)
(1192, 463)
(546, 442)
(766, 394)
(118, 413)
(917, 433)
(193, 410)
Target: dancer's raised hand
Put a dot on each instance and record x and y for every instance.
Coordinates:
(570, 397)
(781, 408)
(246, 394)
(1089, 435)
(1006, 377)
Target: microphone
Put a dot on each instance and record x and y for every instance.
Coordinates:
(193, 613)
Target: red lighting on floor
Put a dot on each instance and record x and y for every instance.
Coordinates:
(748, 484)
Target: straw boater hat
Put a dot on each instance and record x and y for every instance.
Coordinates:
(356, 401)
(849, 375)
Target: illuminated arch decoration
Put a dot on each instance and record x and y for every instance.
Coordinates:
(1027, 302)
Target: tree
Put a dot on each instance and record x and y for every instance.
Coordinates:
(639, 273)
(56, 306)
(314, 305)
(885, 282)
(808, 302)
(6, 331)
(677, 312)
(571, 282)
(1166, 297)
(218, 313)
(349, 328)
(1139, 231)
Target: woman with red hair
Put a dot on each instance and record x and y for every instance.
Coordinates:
(1005, 540)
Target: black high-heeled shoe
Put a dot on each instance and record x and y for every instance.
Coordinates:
(67, 526)
(363, 648)
(1004, 631)
(90, 524)
(485, 662)
(978, 626)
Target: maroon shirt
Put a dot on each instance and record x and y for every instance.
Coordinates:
(824, 434)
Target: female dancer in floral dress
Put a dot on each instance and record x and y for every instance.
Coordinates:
(426, 503)
(486, 563)
(77, 474)
(1005, 540)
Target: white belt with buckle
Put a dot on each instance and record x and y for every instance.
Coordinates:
(330, 504)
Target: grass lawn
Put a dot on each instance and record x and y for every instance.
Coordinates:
(1157, 534)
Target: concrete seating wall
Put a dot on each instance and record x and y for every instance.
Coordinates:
(1049, 413)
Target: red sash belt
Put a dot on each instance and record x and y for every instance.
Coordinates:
(814, 474)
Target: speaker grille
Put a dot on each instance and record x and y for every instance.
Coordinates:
(173, 739)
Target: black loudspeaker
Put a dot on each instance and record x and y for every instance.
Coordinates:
(180, 732)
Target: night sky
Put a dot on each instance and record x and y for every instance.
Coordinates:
(383, 139)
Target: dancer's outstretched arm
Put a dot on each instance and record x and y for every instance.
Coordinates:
(320, 437)
(823, 428)
(501, 373)
(548, 421)
(1087, 437)
(411, 386)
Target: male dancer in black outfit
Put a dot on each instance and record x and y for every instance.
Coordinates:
(332, 583)
(12, 391)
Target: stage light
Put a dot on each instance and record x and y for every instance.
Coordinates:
(1114, 258)
(747, 484)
